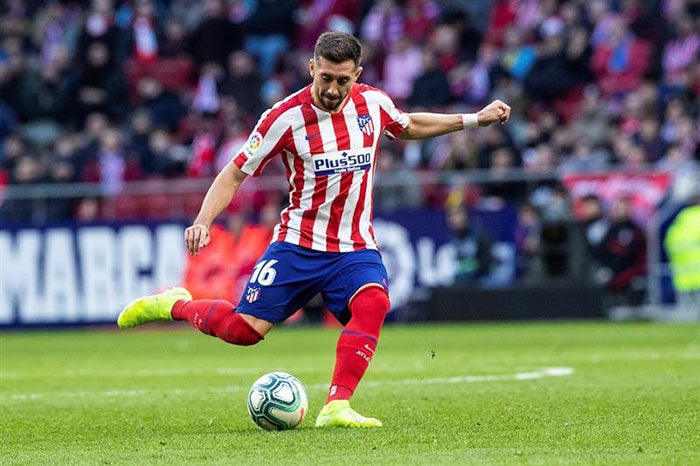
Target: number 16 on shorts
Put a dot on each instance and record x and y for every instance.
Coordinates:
(264, 273)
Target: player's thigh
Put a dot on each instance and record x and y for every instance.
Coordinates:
(357, 270)
(282, 281)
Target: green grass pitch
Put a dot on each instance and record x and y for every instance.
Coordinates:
(447, 394)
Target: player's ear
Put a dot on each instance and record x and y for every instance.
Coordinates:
(311, 67)
(358, 72)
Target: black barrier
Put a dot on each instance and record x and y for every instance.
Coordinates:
(570, 300)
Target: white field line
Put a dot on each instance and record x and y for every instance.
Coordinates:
(133, 373)
(518, 376)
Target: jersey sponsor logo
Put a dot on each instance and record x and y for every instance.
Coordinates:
(366, 125)
(253, 144)
(330, 163)
(252, 294)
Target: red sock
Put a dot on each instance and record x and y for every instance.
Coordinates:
(217, 318)
(358, 341)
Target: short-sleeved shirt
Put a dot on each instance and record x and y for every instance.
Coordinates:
(330, 162)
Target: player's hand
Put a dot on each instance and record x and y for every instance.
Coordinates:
(495, 112)
(196, 237)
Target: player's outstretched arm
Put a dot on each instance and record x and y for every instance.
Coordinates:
(220, 193)
(426, 125)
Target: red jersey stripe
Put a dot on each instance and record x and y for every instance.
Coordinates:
(313, 135)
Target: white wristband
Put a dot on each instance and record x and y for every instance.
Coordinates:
(470, 120)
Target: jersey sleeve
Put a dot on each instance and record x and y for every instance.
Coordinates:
(394, 121)
(266, 141)
(398, 122)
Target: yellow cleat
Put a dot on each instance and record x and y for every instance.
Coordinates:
(338, 413)
(154, 308)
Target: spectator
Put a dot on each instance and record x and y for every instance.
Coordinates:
(527, 240)
(383, 25)
(100, 28)
(680, 53)
(431, 89)
(174, 39)
(317, 16)
(235, 136)
(584, 159)
(682, 244)
(455, 153)
(204, 145)
(28, 169)
(145, 32)
(49, 92)
(464, 20)
(622, 256)
(13, 148)
(500, 188)
(595, 228)
(472, 247)
(394, 187)
(206, 95)
(550, 75)
(162, 155)
(60, 208)
(102, 84)
(269, 31)
(111, 166)
(164, 107)
(216, 36)
(243, 82)
(13, 65)
(401, 68)
(620, 61)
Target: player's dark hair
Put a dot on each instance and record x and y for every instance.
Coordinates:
(338, 47)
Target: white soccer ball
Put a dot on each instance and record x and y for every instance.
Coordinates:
(277, 401)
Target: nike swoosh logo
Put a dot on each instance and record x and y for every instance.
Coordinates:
(311, 136)
(369, 349)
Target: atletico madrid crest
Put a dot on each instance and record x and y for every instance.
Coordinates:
(252, 294)
(366, 125)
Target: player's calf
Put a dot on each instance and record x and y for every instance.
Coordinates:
(219, 319)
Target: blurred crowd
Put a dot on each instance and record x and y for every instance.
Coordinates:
(110, 91)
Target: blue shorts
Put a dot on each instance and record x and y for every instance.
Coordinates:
(287, 276)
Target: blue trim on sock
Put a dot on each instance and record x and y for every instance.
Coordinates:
(352, 332)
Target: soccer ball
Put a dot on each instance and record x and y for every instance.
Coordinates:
(277, 401)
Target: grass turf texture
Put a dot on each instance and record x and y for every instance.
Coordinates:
(174, 396)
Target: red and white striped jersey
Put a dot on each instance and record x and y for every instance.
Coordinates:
(330, 162)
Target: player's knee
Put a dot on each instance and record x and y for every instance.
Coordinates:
(379, 299)
(241, 333)
(370, 305)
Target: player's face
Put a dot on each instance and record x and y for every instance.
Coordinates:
(332, 82)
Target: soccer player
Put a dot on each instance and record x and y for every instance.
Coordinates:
(327, 135)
